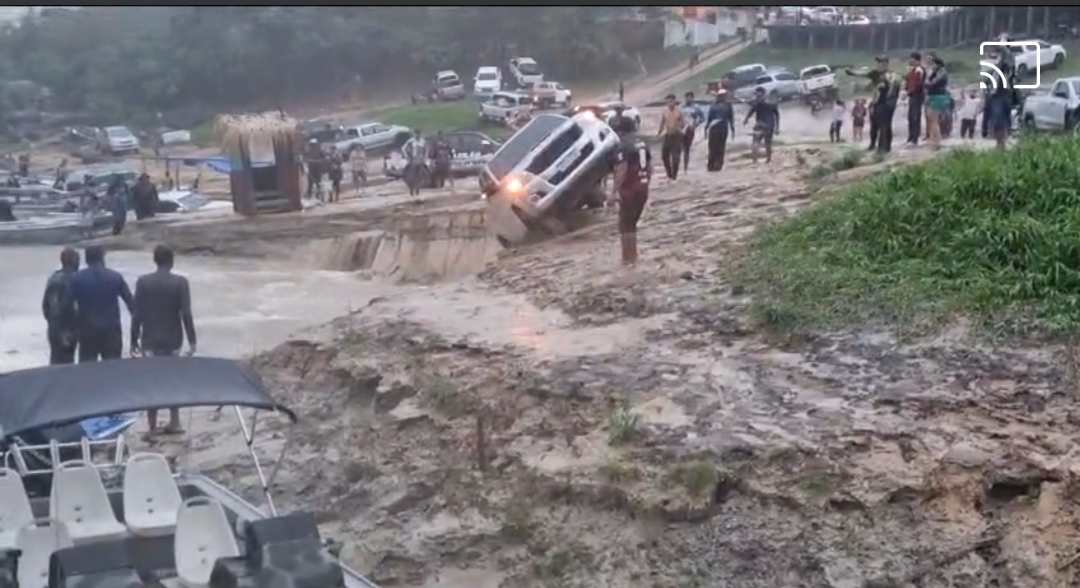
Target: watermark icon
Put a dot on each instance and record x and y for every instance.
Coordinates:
(992, 75)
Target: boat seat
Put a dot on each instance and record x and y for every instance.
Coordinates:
(151, 498)
(38, 540)
(203, 535)
(15, 510)
(78, 499)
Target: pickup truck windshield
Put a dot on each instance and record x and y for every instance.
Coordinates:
(524, 141)
(813, 72)
(487, 77)
(528, 69)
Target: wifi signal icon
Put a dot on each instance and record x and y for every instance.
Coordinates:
(990, 72)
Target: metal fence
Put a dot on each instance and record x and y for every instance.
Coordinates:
(956, 27)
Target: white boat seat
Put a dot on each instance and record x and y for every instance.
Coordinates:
(151, 498)
(15, 512)
(38, 540)
(79, 500)
(202, 537)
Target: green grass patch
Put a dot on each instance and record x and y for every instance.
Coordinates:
(990, 235)
(438, 116)
(203, 134)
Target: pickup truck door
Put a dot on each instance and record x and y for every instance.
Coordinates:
(380, 136)
(1055, 105)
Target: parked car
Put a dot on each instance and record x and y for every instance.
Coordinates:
(487, 81)
(606, 111)
(373, 136)
(525, 71)
(472, 150)
(505, 106)
(1056, 110)
(548, 94)
(1028, 59)
(549, 169)
(447, 86)
(739, 77)
(117, 140)
(778, 85)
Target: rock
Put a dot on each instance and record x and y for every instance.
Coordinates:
(966, 455)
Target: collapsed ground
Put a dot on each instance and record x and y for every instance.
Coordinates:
(557, 421)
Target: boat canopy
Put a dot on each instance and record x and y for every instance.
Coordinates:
(57, 395)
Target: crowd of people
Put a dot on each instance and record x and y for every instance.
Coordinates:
(81, 307)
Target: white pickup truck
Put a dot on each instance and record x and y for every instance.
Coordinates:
(1056, 110)
(504, 107)
(1028, 59)
(816, 79)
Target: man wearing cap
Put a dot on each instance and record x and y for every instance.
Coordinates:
(719, 125)
(630, 188)
(886, 91)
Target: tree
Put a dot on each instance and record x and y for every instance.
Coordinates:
(147, 59)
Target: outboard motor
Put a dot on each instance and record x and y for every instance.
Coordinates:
(282, 552)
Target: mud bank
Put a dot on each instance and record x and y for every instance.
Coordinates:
(562, 422)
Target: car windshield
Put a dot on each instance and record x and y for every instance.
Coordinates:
(487, 76)
(1075, 87)
(449, 81)
(813, 72)
(524, 141)
(119, 132)
(528, 68)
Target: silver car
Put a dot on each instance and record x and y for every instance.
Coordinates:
(117, 140)
(778, 85)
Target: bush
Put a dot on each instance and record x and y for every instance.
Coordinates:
(993, 235)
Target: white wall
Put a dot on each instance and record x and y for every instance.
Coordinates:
(678, 33)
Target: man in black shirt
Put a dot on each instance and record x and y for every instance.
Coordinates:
(630, 188)
(161, 319)
(766, 124)
(59, 310)
(719, 125)
(886, 88)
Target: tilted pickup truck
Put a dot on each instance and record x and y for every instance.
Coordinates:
(1056, 110)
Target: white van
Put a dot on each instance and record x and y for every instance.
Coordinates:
(487, 81)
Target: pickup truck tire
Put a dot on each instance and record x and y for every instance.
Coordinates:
(1058, 60)
(399, 140)
(1029, 122)
(1072, 121)
(1021, 71)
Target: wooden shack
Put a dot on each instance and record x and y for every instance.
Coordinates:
(264, 158)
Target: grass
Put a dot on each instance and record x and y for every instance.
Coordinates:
(622, 424)
(963, 63)
(990, 235)
(438, 116)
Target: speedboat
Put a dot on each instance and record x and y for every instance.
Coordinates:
(88, 512)
(54, 228)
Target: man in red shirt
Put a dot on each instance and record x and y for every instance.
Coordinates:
(633, 173)
(914, 85)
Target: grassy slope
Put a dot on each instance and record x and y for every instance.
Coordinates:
(990, 235)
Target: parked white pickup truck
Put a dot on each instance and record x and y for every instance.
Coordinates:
(817, 79)
(504, 107)
(1056, 110)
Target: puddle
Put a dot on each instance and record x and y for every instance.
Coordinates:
(428, 248)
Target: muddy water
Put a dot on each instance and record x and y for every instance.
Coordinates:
(240, 306)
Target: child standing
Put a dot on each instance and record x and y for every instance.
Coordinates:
(838, 112)
(858, 119)
(969, 111)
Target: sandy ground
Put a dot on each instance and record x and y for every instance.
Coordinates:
(542, 417)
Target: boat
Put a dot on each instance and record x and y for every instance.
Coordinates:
(51, 228)
(79, 512)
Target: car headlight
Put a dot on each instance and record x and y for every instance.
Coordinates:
(588, 114)
(514, 186)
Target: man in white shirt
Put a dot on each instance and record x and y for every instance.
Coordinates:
(969, 111)
(415, 151)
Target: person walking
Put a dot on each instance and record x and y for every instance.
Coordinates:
(672, 125)
(694, 117)
(161, 321)
(56, 305)
(96, 292)
(719, 127)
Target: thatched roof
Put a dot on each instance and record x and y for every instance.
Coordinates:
(257, 134)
